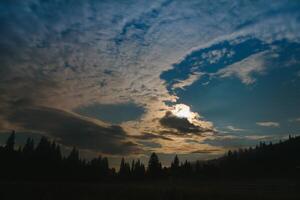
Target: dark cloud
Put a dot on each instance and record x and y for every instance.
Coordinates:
(150, 136)
(182, 125)
(71, 130)
(240, 141)
(151, 144)
(24, 91)
(203, 151)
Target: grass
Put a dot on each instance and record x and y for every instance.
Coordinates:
(160, 190)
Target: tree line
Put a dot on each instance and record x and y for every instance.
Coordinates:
(44, 161)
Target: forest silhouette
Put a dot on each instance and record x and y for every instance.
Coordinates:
(44, 162)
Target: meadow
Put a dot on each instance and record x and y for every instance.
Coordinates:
(156, 190)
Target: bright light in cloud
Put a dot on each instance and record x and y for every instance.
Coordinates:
(182, 111)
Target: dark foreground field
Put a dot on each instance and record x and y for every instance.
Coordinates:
(210, 190)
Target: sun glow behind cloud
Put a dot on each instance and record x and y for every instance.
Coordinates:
(182, 111)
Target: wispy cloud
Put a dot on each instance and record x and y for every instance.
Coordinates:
(268, 124)
(190, 80)
(232, 128)
(234, 141)
(295, 120)
(245, 68)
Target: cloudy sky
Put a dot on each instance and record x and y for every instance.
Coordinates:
(129, 77)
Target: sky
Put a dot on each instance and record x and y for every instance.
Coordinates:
(124, 78)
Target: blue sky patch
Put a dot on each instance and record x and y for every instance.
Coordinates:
(212, 59)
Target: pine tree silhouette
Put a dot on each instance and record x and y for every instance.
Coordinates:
(124, 171)
(29, 146)
(46, 162)
(154, 166)
(175, 167)
(10, 143)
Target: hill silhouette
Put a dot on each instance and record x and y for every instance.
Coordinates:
(264, 160)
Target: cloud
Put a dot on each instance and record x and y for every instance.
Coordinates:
(268, 124)
(134, 41)
(215, 55)
(246, 68)
(151, 146)
(232, 128)
(70, 130)
(182, 125)
(187, 82)
(150, 136)
(233, 141)
(295, 120)
(209, 151)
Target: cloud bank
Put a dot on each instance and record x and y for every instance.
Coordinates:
(71, 130)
